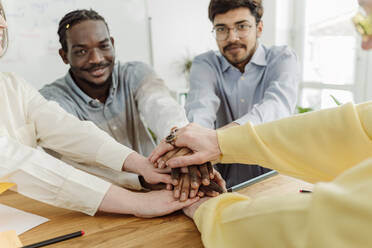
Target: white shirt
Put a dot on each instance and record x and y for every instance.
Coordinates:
(27, 121)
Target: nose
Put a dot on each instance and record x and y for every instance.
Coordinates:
(232, 35)
(95, 57)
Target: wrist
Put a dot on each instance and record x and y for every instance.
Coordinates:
(119, 200)
(132, 163)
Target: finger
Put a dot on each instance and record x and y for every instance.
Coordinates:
(185, 170)
(166, 170)
(156, 165)
(167, 156)
(193, 192)
(201, 193)
(210, 170)
(219, 180)
(175, 174)
(204, 174)
(195, 158)
(179, 205)
(213, 186)
(183, 151)
(212, 193)
(169, 187)
(185, 187)
(177, 189)
(164, 178)
(194, 178)
(159, 151)
(170, 154)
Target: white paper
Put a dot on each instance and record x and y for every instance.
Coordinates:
(18, 220)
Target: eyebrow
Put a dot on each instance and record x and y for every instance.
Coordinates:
(239, 22)
(83, 46)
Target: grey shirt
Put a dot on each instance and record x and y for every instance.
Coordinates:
(221, 94)
(137, 96)
(135, 91)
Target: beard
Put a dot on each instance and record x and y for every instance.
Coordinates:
(236, 59)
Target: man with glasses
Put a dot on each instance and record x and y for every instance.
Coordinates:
(244, 81)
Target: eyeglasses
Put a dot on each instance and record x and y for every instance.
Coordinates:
(363, 24)
(221, 33)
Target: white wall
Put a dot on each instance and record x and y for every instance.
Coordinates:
(33, 24)
(179, 29)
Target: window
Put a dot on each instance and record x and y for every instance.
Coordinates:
(329, 53)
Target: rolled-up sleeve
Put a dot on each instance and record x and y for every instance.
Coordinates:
(159, 109)
(47, 179)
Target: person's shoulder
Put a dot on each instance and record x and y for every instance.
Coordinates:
(211, 59)
(133, 73)
(132, 66)
(13, 82)
(58, 91)
(279, 53)
(208, 57)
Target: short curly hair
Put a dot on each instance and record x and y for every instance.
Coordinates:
(222, 6)
(75, 17)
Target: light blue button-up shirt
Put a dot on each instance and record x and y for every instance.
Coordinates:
(221, 94)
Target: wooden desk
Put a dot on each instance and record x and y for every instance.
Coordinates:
(111, 230)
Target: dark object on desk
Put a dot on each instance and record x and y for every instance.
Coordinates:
(252, 181)
(235, 174)
(305, 191)
(56, 239)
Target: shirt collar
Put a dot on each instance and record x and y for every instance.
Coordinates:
(258, 58)
(87, 99)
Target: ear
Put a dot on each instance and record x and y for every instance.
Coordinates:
(63, 55)
(259, 29)
(112, 41)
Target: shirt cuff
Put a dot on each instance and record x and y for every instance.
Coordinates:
(248, 118)
(112, 154)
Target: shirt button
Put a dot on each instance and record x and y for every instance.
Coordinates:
(241, 78)
(242, 100)
(114, 127)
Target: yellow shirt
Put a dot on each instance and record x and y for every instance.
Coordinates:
(331, 148)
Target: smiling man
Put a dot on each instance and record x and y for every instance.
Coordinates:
(110, 93)
(242, 82)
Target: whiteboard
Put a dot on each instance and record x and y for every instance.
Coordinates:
(33, 24)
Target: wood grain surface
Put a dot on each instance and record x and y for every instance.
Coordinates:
(111, 230)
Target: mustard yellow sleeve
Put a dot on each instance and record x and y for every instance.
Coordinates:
(337, 214)
(314, 147)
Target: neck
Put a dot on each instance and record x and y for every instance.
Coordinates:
(94, 91)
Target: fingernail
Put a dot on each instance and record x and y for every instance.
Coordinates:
(177, 193)
(206, 182)
(175, 182)
(192, 193)
(183, 196)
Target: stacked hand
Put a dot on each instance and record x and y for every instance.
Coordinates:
(194, 180)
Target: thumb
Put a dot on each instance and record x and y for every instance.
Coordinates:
(187, 160)
(164, 178)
